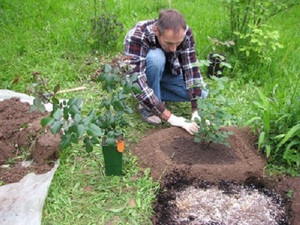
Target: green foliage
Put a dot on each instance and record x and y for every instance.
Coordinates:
(213, 116)
(258, 43)
(107, 122)
(245, 13)
(106, 30)
(248, 18)
(220, 46)
(278, 122)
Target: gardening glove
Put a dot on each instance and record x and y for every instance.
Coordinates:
(190, 126)
(195, 117)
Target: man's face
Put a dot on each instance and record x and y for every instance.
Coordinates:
(169, 40)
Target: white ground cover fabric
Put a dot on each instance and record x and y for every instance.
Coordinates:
(22, 202)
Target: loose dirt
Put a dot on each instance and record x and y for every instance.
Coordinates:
(177, 162)
(173, 157)
(23, 139)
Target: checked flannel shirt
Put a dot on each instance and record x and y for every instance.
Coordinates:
(139, 40)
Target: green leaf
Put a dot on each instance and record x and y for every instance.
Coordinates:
(77, 118)
(268, 150)
(74, 108)
(94, 130)
(261, 139)
(65, 142)
(74, 138)
(56, 127)
(88, 145)
(57, 88)
(58, 114)
(80, 130)
(110, 141)
(55, 101)
(66, 113)
(47, 121)
(86, 121)
(293, 131)
(107, 68)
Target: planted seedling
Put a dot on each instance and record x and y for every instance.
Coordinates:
(213, 115)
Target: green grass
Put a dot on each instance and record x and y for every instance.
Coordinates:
(82, 194)
(54, 38)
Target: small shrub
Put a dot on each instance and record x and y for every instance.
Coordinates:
(106, 122)
(106, 30)
(258, 43)
(213, 115)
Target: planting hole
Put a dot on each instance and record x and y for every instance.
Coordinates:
(214, 154)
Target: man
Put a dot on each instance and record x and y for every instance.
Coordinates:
(162, 54)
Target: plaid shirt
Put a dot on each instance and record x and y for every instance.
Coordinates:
(139, 40)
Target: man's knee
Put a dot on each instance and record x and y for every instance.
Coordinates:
(156, 59)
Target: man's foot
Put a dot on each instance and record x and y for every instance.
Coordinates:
(148, 116)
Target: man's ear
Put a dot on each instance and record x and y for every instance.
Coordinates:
(155, 30)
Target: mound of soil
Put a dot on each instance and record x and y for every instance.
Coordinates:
(177, 161)
(24, 145)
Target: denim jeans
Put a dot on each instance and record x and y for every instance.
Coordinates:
(166, 86)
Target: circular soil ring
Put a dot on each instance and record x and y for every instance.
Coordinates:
(171, 148)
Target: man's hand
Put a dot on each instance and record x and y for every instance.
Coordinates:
(190, 126)
(196, 117)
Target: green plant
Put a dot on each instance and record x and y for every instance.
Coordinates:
(259, 43)
(243, 13)
(248, 19)
(106, 122)
(216, 59)
(277, 122)
(213, 115)
(218, 45)
(106, 29)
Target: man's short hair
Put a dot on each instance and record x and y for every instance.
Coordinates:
(170, 20)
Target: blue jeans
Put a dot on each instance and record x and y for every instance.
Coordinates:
(166, 86)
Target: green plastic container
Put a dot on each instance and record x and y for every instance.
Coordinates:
(113, 161)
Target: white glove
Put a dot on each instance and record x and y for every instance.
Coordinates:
(195, 117)
(190, 126)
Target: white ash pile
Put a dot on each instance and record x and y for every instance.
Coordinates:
(235, 205)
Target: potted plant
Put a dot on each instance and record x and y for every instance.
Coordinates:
(217, 60)
(112, 116)
(104, 125)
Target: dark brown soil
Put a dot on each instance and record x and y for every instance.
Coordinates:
(23, 139)
(176, 161)
(163, 151)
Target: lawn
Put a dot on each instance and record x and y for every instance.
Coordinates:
(56, 40)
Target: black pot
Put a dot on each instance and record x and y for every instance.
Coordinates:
(215, 68)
